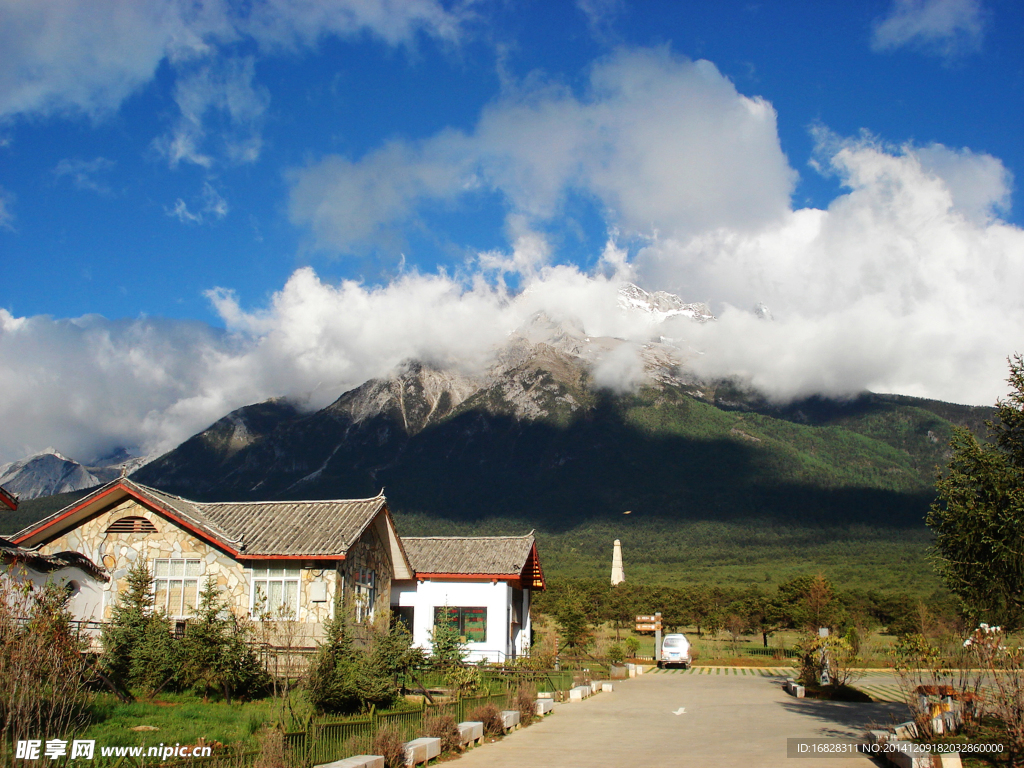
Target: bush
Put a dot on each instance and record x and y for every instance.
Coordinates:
(616, 654)
(42, 674)
(465, 680)
(273, 751)
(632, 646)
(445, 728)
(388, 743)
(446, 646)
(344, 679)
(525, 701)
(490, 716)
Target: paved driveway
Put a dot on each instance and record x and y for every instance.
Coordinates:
(731, 719)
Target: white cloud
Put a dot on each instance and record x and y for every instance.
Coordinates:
(305, 22)
(181, 212)
(132, 371)
(662, 143)
(84, 173)
(620, 370)
(212, 205)
(222, 93)
(944, 27)
(600, 15)
(88, 56)
(89, 384)
(907, 283)
(978, 183)
(6, 215)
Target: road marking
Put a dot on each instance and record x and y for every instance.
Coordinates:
(680, 711)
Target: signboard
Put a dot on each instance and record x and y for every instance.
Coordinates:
(645, 619)
(648, 627)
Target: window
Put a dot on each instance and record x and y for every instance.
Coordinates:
(131, 525)
(364, 592)
(406, 614)
(275, 593)
(176, 585)
(471, 622)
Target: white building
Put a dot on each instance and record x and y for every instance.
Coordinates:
(79, 576)
(482, 583)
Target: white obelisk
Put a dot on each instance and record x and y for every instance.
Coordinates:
(618, 575)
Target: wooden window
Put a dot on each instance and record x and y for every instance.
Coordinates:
(131, 525)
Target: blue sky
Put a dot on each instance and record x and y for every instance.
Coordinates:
(208, 190)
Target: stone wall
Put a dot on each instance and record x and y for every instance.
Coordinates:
(369, 551)
(117, 551)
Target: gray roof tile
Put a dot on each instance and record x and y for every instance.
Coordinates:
(484, 555)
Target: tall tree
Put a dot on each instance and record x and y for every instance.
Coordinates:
(125, 633)
(978, 518)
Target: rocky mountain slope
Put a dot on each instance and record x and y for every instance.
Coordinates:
(539, 438)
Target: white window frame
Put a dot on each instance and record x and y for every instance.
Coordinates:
(260, 580)
(191, 571)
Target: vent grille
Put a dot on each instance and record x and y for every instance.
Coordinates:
(131, 525)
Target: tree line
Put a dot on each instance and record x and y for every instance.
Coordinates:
(804, 602)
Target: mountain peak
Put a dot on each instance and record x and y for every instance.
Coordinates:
(661, 305)
(50, 472)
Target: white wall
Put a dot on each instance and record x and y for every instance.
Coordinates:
(86, 604)
(424, 596)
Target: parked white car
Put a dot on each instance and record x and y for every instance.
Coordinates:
(675, 650)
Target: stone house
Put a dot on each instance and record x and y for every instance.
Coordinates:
(481, 584)
(273, 559)
(291, 559)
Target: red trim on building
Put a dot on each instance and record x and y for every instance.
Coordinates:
(9, 499)
(148, 503)
(464, 576)
(305, 558)
(67, 514)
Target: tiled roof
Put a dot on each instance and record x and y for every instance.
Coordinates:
(478, 555)
(10, 552)
(254, 528)
(321, 528)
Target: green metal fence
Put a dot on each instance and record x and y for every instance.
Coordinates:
(327, 740)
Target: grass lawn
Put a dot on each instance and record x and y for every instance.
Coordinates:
(185, 718)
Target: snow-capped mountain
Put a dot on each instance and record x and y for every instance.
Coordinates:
(49, 472)
(548, 372)
(661, 305)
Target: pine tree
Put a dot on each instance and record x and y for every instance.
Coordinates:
(217, 651)
(446, 646)
(155, 660)
(978, 518)
(124, 633)
(332, 684)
